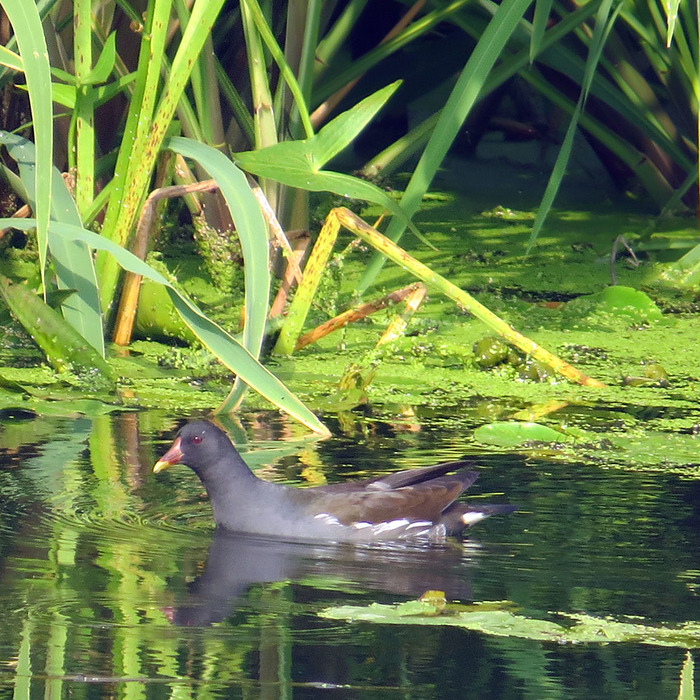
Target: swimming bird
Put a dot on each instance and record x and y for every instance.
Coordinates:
(415, 504)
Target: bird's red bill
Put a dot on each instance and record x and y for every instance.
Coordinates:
(172, 456)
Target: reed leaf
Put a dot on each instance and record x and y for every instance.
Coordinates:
(603, 25)
(72, 261)
(26, 24)
(252, 233)
(461, 100)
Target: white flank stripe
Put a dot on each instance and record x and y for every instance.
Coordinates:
(361, 526)
(327, 518)
(390, 525)
(420, 523)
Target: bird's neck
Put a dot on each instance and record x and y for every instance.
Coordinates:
(234, 490)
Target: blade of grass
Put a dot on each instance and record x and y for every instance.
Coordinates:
(604, 23)
(121, 215)
(81, 157)
(258, 18)
(461, 100)
(543, 9)
(148, 145)
(26, 24)
(252, 233)
(72, 261)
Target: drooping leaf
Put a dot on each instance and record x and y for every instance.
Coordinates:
(63, 346)
(462, 98)
(252, 233)
(28, 31)
(73, 261)
(229, 352)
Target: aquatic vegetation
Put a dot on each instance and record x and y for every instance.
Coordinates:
(175, 82)
(495, 618)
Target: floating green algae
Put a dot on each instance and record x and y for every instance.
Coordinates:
(494, 618)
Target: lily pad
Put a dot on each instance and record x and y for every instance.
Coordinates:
(514, 433)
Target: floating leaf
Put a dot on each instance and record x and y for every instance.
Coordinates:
(512, 434)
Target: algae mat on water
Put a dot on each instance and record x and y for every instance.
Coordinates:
(493, 618)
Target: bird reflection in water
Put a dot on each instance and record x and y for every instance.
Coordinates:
(236, 562)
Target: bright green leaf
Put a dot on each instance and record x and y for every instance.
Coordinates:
(512, 434)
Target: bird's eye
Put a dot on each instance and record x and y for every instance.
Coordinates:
(197, 439)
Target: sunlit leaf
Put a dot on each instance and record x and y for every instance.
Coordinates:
(62, 345)
(229, 352)
(252, 233)
(73, 261)
(512, 434)
(26, 24)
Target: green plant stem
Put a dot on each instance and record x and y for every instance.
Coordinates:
(149, 133)
(121, 215)
(83, 115)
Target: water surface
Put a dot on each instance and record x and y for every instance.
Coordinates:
(113, 583)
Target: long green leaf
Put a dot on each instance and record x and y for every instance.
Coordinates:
(229, 351)
(63, 347)
(151, 129)
(459, 103)
(72, 260)
(123, 204)
(252, 8)
(539, 26)
(26, 23)
(604, 23)
(252, 232)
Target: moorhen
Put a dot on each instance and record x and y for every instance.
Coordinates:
(416, 504)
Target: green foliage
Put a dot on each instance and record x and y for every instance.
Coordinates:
(613, 306)
(63, 346)
(634, 67)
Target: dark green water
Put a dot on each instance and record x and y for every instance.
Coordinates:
(112, 585)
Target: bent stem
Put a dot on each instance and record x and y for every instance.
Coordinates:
(343, 217)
